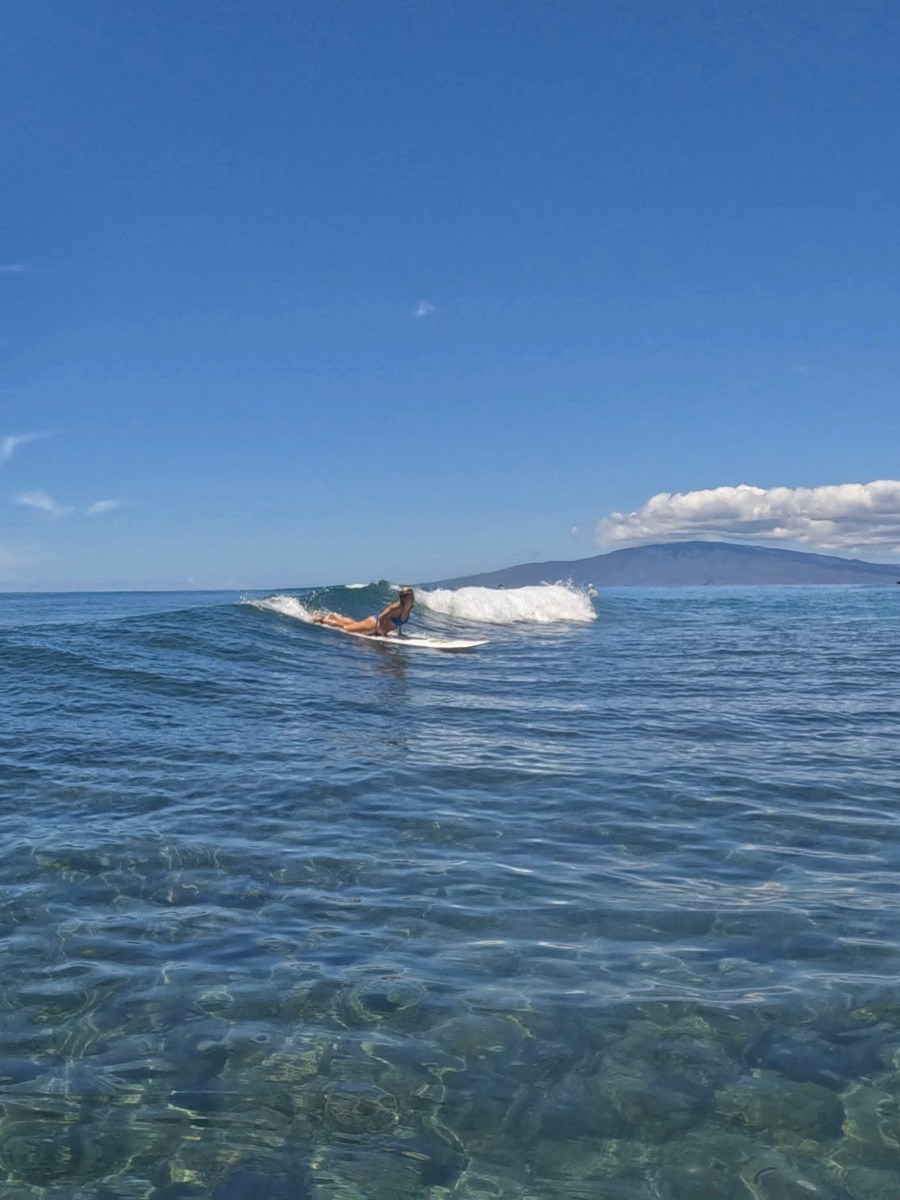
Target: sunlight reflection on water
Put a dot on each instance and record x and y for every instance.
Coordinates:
(609, 915)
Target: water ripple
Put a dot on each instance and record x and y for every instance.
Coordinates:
(607, 912)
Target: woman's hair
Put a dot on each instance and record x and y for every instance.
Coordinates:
(406, 591)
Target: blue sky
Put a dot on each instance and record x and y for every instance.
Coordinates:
(302, 293)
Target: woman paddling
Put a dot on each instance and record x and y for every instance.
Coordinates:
(389, 620)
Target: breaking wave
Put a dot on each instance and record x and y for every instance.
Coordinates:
(543, 604)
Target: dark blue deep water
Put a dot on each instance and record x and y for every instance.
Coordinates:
(606, 909)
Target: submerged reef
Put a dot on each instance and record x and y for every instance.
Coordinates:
(375, 1092)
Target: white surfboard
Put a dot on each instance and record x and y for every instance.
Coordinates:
(407, 641)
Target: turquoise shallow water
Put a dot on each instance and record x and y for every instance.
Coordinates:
(604, 910)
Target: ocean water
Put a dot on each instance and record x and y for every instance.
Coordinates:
(607, 909)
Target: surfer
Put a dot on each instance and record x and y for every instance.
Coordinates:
(389, 620)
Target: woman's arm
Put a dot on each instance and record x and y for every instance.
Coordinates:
(383, 625)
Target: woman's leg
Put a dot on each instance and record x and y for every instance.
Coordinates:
(366, 625)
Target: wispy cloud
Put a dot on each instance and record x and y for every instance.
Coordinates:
(43, 502)
(423, 309)
(9, 445)
(847, 516)
(103, 506)
(13, 268)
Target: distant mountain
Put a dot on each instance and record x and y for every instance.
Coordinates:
(689, 564)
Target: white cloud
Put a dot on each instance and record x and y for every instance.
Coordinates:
(13, 268)
(10, 444)
(844, 517)
(423, 309)
(43, 502)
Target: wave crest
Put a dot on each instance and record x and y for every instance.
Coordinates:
(287, 606)
(542, 604)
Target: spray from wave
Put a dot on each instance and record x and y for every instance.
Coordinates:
(285, 606)
(543, 604)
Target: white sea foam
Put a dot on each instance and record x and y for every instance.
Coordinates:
(287, 606)
(543, 604)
